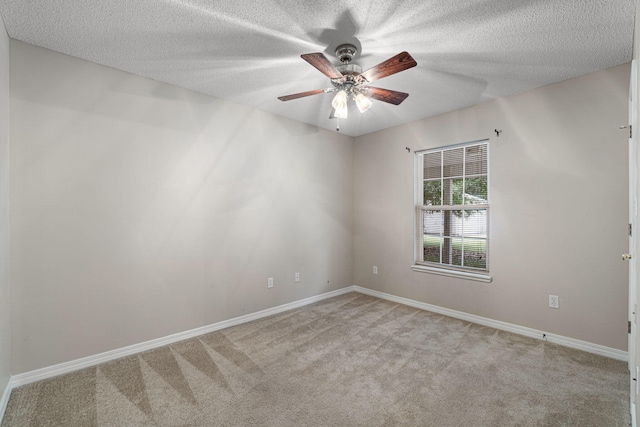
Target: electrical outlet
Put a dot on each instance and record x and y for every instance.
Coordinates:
(270, 282)
(375, 269)
(554, 301)
(297, 277)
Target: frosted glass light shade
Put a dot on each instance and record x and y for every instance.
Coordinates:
(340, 100)
(341, 113)
(362, 102)
(339, 103)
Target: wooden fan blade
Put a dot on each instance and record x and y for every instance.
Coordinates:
(386, 95)
(321, 62)
(301, 95)
(400, 62)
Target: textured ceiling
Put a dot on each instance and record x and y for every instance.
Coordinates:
(468, 51)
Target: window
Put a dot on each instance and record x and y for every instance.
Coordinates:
(452, 210)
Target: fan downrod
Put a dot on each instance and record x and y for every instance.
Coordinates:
(346, 52)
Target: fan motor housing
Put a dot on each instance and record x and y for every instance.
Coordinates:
(349, 69)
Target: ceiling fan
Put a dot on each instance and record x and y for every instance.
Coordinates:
(348, 80)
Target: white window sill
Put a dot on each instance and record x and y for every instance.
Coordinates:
(479, 277)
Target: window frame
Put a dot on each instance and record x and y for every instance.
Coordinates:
(419, 265)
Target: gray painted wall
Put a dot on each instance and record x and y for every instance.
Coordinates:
(5, 306)
(141, 210)
(558, 216)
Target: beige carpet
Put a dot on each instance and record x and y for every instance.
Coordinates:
(352, 360)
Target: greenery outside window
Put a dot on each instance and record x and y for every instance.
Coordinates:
(452, 209)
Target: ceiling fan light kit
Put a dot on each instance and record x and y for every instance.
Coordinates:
(349, 81)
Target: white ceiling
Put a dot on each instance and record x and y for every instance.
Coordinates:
(468, 51)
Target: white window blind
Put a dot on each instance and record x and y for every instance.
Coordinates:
(452, 209)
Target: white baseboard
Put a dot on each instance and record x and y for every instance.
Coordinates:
(504, 326)
(86, 362)
(5, 398)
